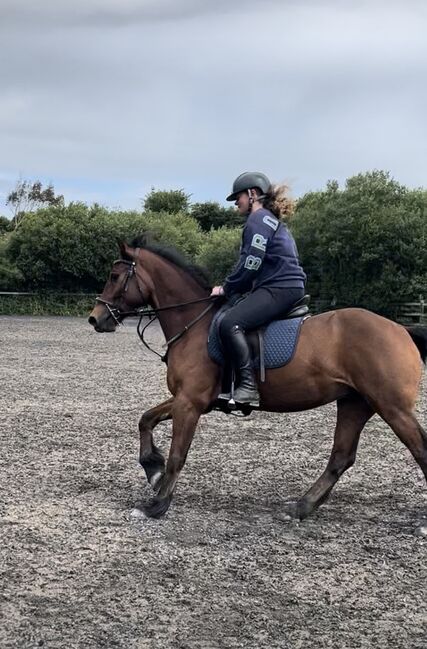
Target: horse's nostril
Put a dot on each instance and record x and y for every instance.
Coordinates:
(92, 321)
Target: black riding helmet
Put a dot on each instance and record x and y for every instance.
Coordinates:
(249, 180)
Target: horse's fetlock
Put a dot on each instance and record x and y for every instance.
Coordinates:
(144, 456)
(154, 466)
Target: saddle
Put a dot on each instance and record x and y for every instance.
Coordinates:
(271, 346)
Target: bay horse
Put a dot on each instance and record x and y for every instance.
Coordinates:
(364, 362)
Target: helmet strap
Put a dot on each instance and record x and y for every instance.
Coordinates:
(251, 202)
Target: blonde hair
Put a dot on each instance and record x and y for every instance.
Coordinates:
(278, 201)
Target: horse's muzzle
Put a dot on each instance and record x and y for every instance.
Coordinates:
(101, 320)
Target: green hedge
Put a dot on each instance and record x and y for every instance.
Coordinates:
(47, 304)
(218, 252)
(365, 245)
(71, 248)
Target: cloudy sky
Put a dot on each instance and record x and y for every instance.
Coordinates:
(107, 98)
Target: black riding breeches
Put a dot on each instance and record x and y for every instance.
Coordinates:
(259, 308)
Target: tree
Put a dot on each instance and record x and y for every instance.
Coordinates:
(211, 215)
(365, 245)
(28, 197)
(10, 277)
(5, 225)
(171, 201)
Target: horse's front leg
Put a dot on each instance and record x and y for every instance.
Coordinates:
(150, 458)
(185, 416)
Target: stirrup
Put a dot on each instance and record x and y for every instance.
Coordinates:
(224, 396)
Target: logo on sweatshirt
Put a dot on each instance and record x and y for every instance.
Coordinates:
(253, 263)
(271, 222)
(258, 241)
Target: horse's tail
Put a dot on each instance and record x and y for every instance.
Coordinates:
(419, 336)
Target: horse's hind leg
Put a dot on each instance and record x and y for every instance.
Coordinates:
(150, 458)
(352, 414)
(410, 432)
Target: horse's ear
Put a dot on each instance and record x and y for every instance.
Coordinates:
(124, 250)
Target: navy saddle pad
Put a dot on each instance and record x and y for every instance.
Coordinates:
(280, 340)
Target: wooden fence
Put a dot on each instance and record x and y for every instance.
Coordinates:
(412, 312)
(404, 312)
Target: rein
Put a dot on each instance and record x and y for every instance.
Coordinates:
(152, 314)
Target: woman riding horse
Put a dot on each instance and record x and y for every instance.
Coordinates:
(268, 275)
(364, 362)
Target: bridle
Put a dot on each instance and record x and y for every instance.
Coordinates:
(113, 310)
(118, 315)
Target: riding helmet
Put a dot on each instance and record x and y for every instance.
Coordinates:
(249, 180)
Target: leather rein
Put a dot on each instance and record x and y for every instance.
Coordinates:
(150, 312)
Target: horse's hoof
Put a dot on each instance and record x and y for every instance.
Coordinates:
(298, 509)
(291, 509)
(136, 512)
(157, 507)
(283, 517)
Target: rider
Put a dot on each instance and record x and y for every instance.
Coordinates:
(268, 275)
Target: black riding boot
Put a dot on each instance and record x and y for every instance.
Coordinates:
(247, 391)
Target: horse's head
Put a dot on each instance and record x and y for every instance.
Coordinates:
(121, 295)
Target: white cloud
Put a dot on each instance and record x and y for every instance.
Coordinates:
(190, 93)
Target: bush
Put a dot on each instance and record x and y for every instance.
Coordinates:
(72, 248)
(10, 277)
(47, 304)
(166, 202)
(179, 230)
(364, 245)
(5, 225)
(212, 216)
(219, 252)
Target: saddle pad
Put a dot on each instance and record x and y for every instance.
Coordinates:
(280, 339)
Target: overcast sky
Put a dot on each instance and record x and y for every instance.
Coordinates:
(106, 98)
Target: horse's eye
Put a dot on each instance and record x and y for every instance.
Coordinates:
(114, 277)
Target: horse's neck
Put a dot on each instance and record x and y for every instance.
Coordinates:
(173, 285)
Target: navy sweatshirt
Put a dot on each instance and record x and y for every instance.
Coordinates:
(268, 257)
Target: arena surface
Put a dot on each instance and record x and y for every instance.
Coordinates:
(225, 568)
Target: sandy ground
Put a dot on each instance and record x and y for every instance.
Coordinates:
(224, 568)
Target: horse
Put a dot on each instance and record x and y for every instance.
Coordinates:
(364, 362)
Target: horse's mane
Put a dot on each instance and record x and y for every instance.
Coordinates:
(172, 255)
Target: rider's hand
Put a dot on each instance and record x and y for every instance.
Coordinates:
(217, 290)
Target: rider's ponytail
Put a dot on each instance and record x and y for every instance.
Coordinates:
(279, 202)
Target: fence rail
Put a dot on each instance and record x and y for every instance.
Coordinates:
(414, 312)
(408, 313)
